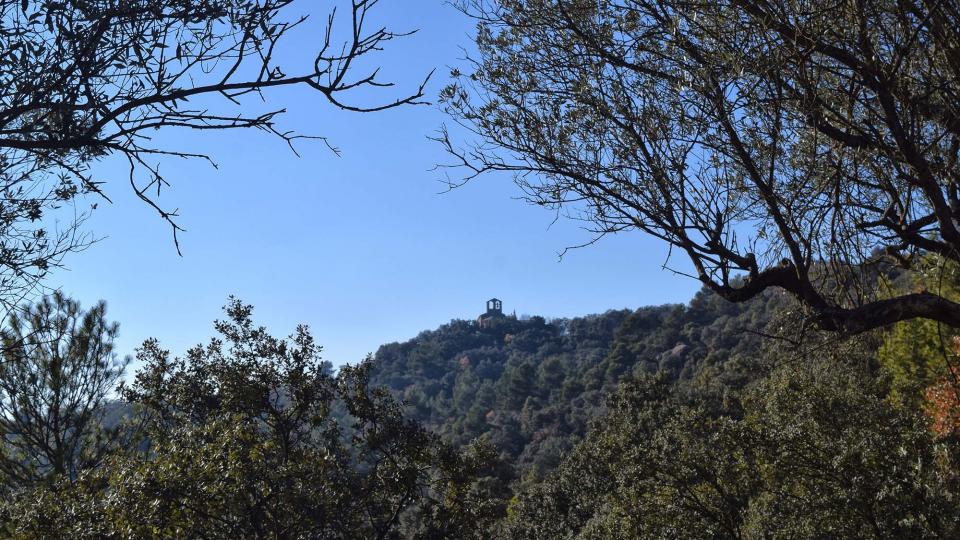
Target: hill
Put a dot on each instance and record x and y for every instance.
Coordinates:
(532, 386)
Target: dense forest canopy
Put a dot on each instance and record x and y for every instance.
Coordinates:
(716, 419)
(803, 155)
(248, 436)
(531, 387)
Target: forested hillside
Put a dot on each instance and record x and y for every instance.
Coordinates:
(531, 386)
(800, 160)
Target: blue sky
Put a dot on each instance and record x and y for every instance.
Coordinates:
(364, 248)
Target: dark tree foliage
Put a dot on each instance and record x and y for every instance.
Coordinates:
(531, 387)
(245, 441)
(781, 141)
(58, 370)
(813, 451)
(84, 79)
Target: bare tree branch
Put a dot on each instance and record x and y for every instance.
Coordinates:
(775, 144)
(81, 80)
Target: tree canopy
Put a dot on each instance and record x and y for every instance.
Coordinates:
(82, 80)
(253, 436)
(774, 143)
(803, 156)
(58, 371)
(530, 388)
(814, 450)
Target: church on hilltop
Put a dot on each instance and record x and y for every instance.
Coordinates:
(494, 311)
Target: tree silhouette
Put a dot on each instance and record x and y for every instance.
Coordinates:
(80, 80)
(774, 143)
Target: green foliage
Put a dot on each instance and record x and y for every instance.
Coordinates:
(664, 422)
(914, 353)
(917, 353)
(812, 451)
(57, 373)
(530, 387)
(252, 436)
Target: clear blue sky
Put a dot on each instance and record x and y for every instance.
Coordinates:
(363, 248)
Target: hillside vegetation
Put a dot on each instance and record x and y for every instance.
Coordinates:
(531, 387)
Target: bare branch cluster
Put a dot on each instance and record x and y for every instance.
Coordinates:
(82, 79)
(777, 143)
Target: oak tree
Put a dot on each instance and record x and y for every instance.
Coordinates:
(774, 143)
(254, 436)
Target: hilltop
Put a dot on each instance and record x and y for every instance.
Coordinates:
(531, 386)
